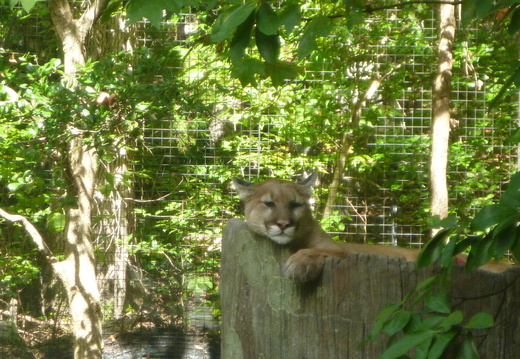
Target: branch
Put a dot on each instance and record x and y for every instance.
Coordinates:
(31, 231)
(369, 9)
(91, 15)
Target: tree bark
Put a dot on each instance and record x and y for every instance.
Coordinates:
(77, 271)
(114, 230)
(345, 147)
(265, 315)
(441, 115)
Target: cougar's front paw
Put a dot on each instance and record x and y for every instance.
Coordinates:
(304, 265)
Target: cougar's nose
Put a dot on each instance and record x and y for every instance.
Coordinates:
(282, 224)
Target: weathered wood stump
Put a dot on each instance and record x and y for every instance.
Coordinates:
(265, 315)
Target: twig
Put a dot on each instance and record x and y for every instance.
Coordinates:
(31, 231)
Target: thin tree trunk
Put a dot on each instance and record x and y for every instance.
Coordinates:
(77, 271)
(345, 147)
(441, 115)
(117, 220)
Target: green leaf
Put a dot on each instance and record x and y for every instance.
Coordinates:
(246, 69)
(406, 343)
(267, 20)
(56, 222)
(112, 7)
(241, 39)
(515, 248)
(106, 189)
(511, 197)
(152, 10)
(228, 21)
(514, 79)
(439, 302)
(28, 4)
(480, 320)
(421, 350)
(480, 253)
(467, 349)
(440, 344)
(515, 136)
(491, 215)
(290, 17)
(514, 24)
(382, 317)
(448, 252)
(504, 236)
(317, 27)
(454, 318)
(433, 249)
(466, 243)
(268, 46)
(281, 71)
(469, 8)
(431, 322)
(484, 8)
(397, 323)
(448, 222)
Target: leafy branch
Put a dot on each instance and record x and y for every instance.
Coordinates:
(431, 331)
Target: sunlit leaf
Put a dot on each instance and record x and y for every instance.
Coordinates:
(28, 4)
(56, 222)
(319, 26)
(228, 21)
(491, 215)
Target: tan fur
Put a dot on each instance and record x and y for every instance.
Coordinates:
(281, 211)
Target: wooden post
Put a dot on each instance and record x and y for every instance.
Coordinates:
(265, 315)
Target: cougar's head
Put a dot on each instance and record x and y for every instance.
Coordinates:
(277, 209)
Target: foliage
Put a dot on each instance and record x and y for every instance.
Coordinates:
(201, 126)
(431, 331)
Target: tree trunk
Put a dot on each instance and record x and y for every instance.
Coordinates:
(114, 230)
(77, 271)
(265, 315)
(339, 169)
(441, 115)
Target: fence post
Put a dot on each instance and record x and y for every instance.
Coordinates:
(264, 315)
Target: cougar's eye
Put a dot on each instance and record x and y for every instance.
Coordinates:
(295, 205)
(269, 204)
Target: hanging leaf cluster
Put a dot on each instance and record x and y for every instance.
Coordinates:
(258, 23)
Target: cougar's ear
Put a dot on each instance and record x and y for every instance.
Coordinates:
(242, 186)
(309, 181)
